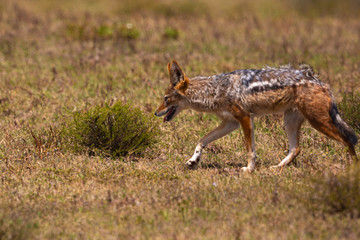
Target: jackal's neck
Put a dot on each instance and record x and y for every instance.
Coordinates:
(202, 94)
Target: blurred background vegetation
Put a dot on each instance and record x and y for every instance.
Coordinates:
(168, 8)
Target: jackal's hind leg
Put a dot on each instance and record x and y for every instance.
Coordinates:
(225, 127)
(293, 120)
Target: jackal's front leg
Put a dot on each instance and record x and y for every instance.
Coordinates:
(225, 127)
(247, 124)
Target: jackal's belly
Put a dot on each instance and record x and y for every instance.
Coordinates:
(269, 102)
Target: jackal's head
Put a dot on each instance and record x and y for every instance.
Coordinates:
(174, 99)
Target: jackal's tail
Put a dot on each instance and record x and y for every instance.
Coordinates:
(317, 104)
(346, 132)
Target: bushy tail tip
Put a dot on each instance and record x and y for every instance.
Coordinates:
(347, 133)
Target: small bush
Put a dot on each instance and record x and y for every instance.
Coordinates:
(171, 33)
(334, 193)
(350, 110)
(114, 131)
(105, 32)
(128, 31)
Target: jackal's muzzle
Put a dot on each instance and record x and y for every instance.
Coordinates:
(170, 113)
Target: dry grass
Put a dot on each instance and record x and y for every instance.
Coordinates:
(56, 58)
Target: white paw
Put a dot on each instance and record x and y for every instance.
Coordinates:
(192, 163)
(247, 169)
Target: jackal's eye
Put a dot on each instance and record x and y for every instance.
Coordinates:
(166, 98)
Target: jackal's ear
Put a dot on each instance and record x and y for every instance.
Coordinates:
(178, 78)
(176, 74)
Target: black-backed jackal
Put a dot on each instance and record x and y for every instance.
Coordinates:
(237, 97)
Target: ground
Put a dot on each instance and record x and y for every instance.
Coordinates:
(59, 58)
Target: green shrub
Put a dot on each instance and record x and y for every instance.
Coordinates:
(171, 33)
(349, 108)
(334, 193)
(105, 31)
(114, 131)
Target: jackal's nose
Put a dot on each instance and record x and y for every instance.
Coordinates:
(155, 114)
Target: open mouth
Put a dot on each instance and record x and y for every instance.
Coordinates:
(170, 113)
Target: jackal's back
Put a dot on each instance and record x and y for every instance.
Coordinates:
(267, 90)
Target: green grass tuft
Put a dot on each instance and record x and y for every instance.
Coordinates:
(171, 33)
(128, 31)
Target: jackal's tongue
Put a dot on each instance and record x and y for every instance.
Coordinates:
(169, 114)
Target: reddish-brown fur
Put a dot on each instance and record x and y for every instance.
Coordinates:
(238, 96)
(314, 102)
